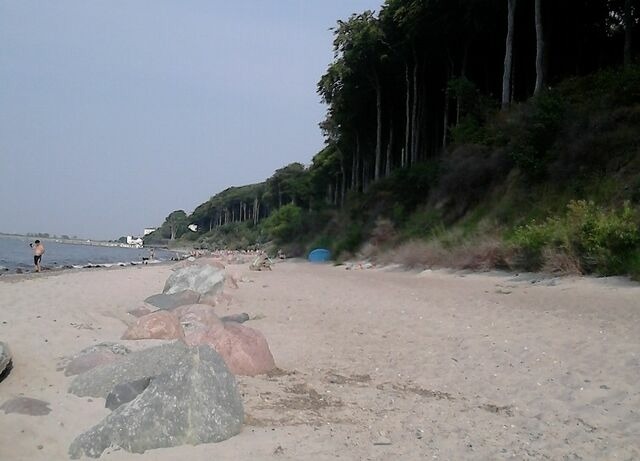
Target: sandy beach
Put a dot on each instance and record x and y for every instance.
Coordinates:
(373, 364)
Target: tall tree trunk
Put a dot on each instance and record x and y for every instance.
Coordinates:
(423, 134)
(354, 171)
(463, 74)
(358, 162)
(445, 122)
(343, 183)
(508, 55)
(628, 27)
(407, 134)
(365, 171)
(414, 112)
(256, 210)
(387, 170)
(540, 59)
(378, 160)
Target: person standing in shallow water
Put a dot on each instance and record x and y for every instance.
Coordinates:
(38, 251)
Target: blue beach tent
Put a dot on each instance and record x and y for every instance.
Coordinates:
(319, 255)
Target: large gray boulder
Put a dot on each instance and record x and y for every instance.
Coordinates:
(5, 360)
(126, 392)
(93, 356)
(171, 301)
(196, 402)
(147, 363)
(206, 280)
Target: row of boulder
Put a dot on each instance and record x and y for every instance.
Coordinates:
(180, 392)
(185, 311)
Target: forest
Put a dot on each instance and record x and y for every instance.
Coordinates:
(461, 133)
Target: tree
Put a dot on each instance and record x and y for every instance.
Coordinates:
(508, 55)
(540, 58)
(176, 223)
(285, 224)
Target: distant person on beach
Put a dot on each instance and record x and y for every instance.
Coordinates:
(38, 251)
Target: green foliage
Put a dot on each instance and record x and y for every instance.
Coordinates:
(470, 130)
(290, 184)
(532, 131)
(635, 191)
(607, 88)
(475, 110)
(285, 224)
(407, 187)
(232, 236)
(603, 241)
(350, 240)
(420, 224)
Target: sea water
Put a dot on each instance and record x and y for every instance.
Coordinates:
(15, 253)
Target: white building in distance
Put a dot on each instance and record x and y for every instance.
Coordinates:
(135, 241)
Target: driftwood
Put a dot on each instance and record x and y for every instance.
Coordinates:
(262, 262)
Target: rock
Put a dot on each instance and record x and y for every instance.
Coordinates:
(171, 301)
(91, 357)
(244, 350)
(5, 360)
(107, 346)
(196, 402)
(126, 392)
(231, 280)
(238, 318)
(197, 320)
(206, 280)
(86, 362)
(139, 311)
(146, 363)
(262, 262)
(26, 406)
(213, 262)
(218, 300)
(158, 325)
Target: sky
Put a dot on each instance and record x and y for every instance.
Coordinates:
(115, 113)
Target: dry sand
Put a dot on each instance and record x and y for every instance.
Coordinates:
(374, 365)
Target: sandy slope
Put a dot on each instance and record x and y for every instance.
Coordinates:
(375, 365)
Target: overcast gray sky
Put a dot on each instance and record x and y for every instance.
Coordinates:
(115, 113)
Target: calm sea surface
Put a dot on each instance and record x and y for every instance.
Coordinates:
(15, 253)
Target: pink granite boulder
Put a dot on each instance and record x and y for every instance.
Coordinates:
(196, 321)
(158, 325)
(244, 350)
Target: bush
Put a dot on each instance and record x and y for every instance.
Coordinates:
(285, 224)
(533, 130)
(598, 240)
(421, 224)
(351, 239)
